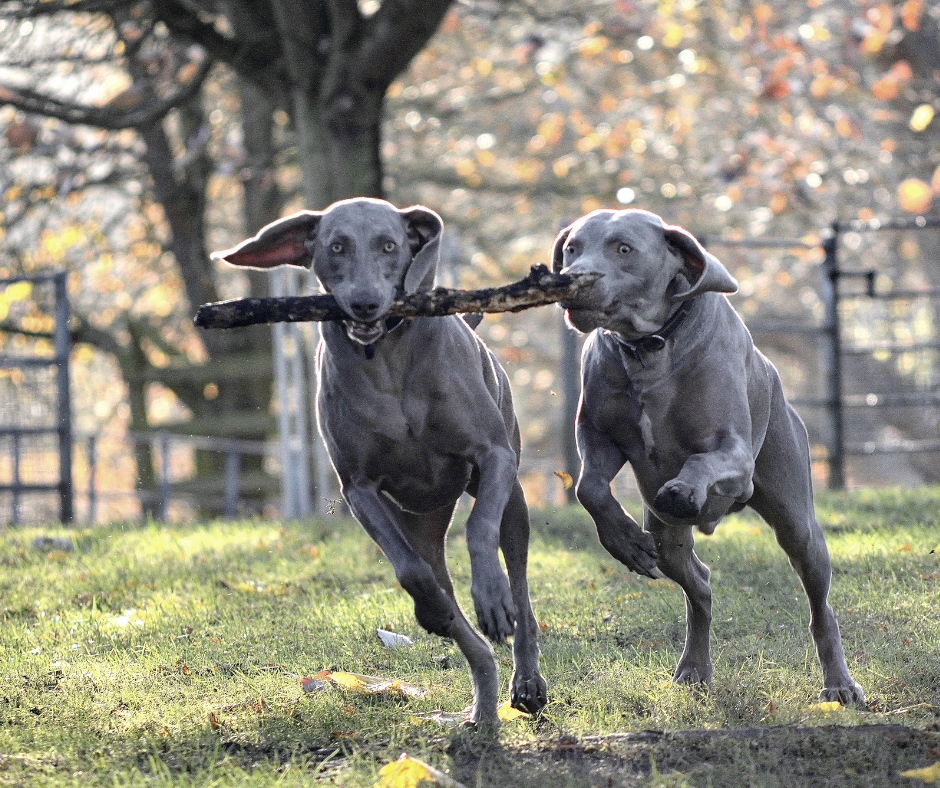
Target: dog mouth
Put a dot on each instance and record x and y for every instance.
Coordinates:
(364, 333)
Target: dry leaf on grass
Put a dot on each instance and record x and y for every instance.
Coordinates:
(393, 639)
(408, 772)
(506, 712)
(929, 774)
(369, 685)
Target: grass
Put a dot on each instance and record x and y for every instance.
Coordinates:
(174, 656)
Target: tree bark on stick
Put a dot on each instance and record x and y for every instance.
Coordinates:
(540, 287)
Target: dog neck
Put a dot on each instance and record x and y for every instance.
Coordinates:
(636, 348)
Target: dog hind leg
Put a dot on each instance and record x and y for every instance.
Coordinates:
(527, 689)
(784, 498)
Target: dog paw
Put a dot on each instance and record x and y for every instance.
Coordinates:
(496, 613)
(434, 611)
(528, 693)
(633, 547)
(699, 676)
(849, 695)
(679, 499)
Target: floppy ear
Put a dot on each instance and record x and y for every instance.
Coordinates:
(702, 268)
(558, 249)
(284, 242)
(424, 229)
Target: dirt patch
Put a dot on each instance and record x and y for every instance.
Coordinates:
(853, 757)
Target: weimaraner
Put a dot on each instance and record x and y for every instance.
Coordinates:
(673, 385)
(415, 412)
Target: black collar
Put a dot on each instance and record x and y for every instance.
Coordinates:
(635, 348)
(391, 323)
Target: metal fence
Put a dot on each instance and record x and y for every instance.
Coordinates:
(35, 406)
(178, 491)
(855, 336)
(867, 341)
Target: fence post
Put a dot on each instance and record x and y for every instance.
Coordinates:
(17, 481)
(92, 453)
(62, 345)
(232, 458)
(164, 476)
(832, 360)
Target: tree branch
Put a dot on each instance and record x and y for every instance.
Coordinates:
(539, 288)
(104, 117)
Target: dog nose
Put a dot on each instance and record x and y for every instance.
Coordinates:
(365, 310)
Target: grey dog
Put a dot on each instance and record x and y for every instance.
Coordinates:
(673, 385)
(413, 414)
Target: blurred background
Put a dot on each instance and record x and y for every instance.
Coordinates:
(798, 140)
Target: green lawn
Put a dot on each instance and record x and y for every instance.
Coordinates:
(174, 655)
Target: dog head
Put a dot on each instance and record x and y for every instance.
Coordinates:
(647, 266)
(364, 251)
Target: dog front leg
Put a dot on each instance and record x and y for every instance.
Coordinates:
(618, 532)
(678, 562)
(726, 469)
(489, 587)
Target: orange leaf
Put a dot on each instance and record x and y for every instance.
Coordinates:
(566, 479)
(885, 88)
(910, 14)
(915, 196)
(506, 712)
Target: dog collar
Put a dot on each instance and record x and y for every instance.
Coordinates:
(391, 323)
(635, 348)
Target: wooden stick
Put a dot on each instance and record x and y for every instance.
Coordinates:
(540, 287)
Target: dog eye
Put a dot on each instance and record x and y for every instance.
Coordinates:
(336, 247)
(624, 249)
(389, 247)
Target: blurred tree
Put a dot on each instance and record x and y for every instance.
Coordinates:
(324, 66)
(733, 119)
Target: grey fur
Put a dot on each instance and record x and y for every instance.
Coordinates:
(412, 416)
(700, 417)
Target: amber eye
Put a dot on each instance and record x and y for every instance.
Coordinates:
(336, 247)
(389, 247)
(624, 249)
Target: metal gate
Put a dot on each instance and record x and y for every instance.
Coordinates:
(870, 356)
(35, 404)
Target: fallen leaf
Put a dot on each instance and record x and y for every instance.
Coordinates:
(827, 705)
(369, 685)
(929, 774)
(443, 719)
(408, 772)
(393, 639)
(506, 712)
(566, 479)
